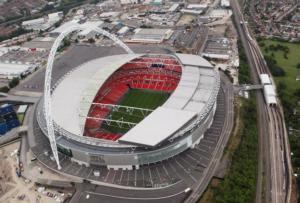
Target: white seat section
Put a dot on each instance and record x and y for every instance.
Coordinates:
(157, 126)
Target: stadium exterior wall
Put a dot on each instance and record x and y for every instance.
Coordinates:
(91, 151)
(120, 159)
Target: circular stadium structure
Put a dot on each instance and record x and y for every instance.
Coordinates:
(124, 111)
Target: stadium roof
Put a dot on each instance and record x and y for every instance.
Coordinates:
(185, 89)
(157, 126)
(75, 93)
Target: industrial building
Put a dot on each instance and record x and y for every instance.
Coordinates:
(12, 70)
(145, 35)
(43, 23)
(225, 3)
(217, 47)
(8, 118)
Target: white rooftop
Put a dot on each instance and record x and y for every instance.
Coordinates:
(157, 126)
(73, 96)
(13, 68)
(264, 79)
(270, 94)
(89, 26)
(197, 6)
(193, 60)
(65, 26)
(75, 93)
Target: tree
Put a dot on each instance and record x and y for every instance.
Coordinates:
(262, 44)
(4, 89)
(14, 82)
(91, 40)
(297, 93)
(298, 65)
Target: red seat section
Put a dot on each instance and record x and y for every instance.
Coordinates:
(152, 73)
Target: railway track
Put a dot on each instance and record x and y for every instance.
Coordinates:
(277, 154)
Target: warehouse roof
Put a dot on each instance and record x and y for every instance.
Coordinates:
(151, 35)
(13, 68)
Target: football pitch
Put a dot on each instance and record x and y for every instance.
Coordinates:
(145, 99)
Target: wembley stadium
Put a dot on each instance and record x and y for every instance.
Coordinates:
(128, 110)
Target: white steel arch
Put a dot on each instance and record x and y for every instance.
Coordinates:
(48, 76)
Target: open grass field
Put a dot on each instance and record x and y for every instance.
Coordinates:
(135, 98)
(288, 89)
(289, 64)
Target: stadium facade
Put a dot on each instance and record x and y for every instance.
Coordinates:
(128, 110)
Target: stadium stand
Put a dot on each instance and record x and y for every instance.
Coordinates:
(146, 73)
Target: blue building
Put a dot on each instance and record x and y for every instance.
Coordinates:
(8, 118)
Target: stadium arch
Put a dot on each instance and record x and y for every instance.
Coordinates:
(48, 77)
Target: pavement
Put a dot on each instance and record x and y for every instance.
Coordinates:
(96, 193)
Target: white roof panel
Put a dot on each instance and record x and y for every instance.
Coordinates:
(207, 80)
(157, 126)
(202, 95)
(175, 103)
(194, 106)
(13, 68)
(207, 71)
(193, 60)
(70, 107)
(186, 87)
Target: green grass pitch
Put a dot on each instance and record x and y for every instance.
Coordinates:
(146, 99)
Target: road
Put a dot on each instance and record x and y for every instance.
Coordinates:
(90, 193)
(209, 173)
(274, 167)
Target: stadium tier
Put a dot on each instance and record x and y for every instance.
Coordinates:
(156, 75)
(127, 110)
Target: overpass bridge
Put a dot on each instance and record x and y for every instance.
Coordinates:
(247, 87)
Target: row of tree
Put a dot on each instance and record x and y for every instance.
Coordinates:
(244, 77)
(239, 184)
(13, 83)
(275, 69)
(18, 32)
